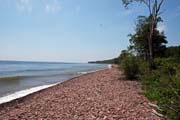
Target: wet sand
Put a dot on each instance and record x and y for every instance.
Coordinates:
(102, 95)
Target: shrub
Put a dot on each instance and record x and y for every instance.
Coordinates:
(163, 85)
(144, 67)
(130, 66)
(172, 106)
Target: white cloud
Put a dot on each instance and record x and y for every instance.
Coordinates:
(53, 6)
(24, 5)
(162, 28)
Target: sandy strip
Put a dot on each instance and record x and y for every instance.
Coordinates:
(95, 96)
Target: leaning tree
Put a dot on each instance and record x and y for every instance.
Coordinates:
(154, 7)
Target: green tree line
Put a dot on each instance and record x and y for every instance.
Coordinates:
(148, 60)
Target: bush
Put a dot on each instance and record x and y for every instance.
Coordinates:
(130, 66)
(171, 92)
(163, 85)
(144, 67)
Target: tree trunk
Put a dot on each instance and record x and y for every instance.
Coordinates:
(150, 41)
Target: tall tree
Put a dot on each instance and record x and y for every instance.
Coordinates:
(154, 7)
(139, 40)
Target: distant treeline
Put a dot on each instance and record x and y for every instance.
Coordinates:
(172, 51)
(110, 61)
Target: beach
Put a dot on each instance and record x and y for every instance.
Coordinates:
(100, 95)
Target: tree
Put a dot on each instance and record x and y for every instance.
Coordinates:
(124, 53)
(174, 52)
(139, 40)
(154, 7)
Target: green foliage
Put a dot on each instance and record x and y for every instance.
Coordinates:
(146, 36)
(143, 67)
(163, 85)
(139, 40)
(130, 66)
(173, 51)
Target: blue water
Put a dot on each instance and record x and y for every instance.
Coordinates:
(19, 75)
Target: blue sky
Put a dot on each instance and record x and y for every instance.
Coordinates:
(74, 30)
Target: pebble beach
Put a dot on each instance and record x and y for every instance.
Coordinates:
(101, 95)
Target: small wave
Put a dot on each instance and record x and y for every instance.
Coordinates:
(91, 71)
(23, 93)
(35, 76)
(13, 78)
(80, 73)
(35, 70)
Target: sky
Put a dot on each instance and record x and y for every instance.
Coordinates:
(74, 30)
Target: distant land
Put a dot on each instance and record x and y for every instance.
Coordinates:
(109, 61)
(171, 51)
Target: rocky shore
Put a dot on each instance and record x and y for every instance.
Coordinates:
(101, 95)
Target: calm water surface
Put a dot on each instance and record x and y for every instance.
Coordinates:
(17, 75)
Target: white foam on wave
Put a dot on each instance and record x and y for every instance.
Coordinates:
(23, 93)
(80, 73)
(92, 71)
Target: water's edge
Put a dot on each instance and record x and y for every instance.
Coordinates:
(26, 92)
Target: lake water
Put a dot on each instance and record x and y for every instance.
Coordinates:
(16, 76)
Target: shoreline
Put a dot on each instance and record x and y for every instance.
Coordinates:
(23, 93)
(96, 95)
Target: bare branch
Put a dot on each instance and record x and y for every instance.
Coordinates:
(148, 4)
(161, 12)
(159, 6)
